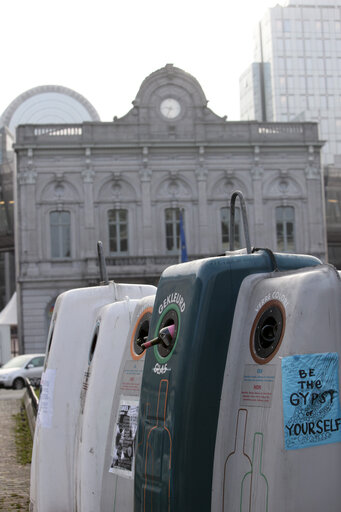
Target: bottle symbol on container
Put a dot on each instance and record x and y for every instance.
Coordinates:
(156, 488)
(237, 464)
(255, 487)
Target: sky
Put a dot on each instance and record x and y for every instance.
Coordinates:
(104, 49)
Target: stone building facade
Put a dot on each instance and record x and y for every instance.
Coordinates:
(42, 104)
(126, 182)
(7, 278)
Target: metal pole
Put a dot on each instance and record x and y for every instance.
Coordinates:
(234, 196)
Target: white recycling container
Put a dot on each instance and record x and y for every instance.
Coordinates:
(105, 466)
(278, 443)
(64, 385)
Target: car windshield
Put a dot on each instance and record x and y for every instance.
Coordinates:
(16, 362)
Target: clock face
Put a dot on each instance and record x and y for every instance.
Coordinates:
(170, 108)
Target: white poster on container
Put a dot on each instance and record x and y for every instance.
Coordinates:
(123, 445)
(45, 412)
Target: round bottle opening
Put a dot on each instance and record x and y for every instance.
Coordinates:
(170, 318)
(140, 334)
(267, 331)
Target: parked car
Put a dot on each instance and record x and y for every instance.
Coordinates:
(13, 374)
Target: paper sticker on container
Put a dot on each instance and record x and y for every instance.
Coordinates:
(123, 445)
(311, 402)
(132, 378)
(257, 385)
(45, 411)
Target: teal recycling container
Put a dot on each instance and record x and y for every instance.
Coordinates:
(182, 381)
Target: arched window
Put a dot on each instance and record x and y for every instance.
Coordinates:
(118, 231)
(60, 229)
(285, 228)
(225, 228)
(172, 223)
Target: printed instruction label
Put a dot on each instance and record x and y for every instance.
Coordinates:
(132, 378)
(45, 411)
(123, 444)
(311, 403)
(257, 386)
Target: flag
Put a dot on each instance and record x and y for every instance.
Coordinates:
(182, 240)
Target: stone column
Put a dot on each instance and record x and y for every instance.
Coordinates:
(90, 242)
(201, 174)
(28, 222)
(316, 209)
(257, 173)
(146, 204)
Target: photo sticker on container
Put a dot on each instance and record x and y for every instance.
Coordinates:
(123, 451)
(311, 404)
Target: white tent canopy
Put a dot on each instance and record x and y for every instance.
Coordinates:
(8, 315)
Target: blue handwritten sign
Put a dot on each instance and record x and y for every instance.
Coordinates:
(311, 401)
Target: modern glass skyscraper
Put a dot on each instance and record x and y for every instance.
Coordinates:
(296, 75)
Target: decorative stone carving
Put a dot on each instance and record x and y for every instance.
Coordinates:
(116, 189)
(311, 155)
(312, 172)
(145, 156)
(283, 186)
(29, 175)
(59, 191)
(174, 188)
(58, 177)
(257, 172)
(256, 152)
(145, 174)
(226, 185)
(170, 70)
(88, 175)
(201, 173)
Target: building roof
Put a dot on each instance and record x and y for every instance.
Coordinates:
(48, 104)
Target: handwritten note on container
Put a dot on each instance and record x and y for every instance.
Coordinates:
(311, 401)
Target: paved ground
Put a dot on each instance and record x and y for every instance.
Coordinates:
(14, 478)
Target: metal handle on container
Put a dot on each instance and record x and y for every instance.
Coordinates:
(102, 266)
(234, 196)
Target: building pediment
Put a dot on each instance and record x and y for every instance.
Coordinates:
(170, 104)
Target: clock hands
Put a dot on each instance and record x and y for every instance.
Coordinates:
(170, 108)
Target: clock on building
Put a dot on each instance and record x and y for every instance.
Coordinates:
(170, 108)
